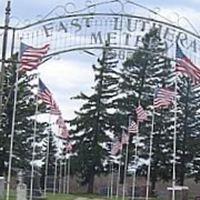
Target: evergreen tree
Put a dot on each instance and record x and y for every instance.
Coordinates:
(92, 123)
(140, 76)
(53, 150)
(22, 149)
(188, 134)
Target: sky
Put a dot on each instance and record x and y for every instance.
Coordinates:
(69, 74)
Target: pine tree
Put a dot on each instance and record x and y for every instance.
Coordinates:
(140, 75)
(22, 150)
(92, 122)
(53, 150)
(188, 135)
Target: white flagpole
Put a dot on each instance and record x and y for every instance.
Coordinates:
(65, 176)
(55, 176)
(68, 174)
(174, 143)
(60, 177)
(119, 171)
(111, 181)
(125, 164)
(34, 141)
(150, 155)
(109, 178)
(47, 158)
(12, 134)
(135, 170)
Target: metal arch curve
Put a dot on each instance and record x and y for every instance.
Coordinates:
(108, 14)
(134, 49)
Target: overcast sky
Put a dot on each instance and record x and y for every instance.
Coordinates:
(68, 74)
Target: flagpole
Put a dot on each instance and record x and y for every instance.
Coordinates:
(68, 174)
(109, 178)
(134, 171)
(65, 175)
(126, 163)
(174, 143)
(111, 181)
(150, 155)
(12, 134)
(55, 176)
(119, 171)
(60, 176)
(34, 141)
(47, 158)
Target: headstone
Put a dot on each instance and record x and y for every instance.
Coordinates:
(21, 191)
(181, 192)
(21, 188)
(2, 182)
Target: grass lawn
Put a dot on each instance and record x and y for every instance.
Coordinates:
(73, 197)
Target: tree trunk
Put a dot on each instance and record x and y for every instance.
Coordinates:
(153, 182)
(91, 183)
(2, 167)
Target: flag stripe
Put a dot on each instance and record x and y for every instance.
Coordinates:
(31, 57)
(185, 66)
(163, 98)
(141, 114)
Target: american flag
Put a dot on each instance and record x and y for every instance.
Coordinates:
(125, 138)
(163, 98)
(141, 114)
(31, 57)
(116, 147)
(64, 132)
(54, 108)
(44, 93)
(68, 147)
(186, 66)
(60, 122)
(133, 128)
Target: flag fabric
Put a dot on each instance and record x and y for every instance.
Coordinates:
(185, 66)
(125, 138)
(31, 57)
(68, 147)
(116, 147)
(46, 96)
(133, 128)
(141, 114)
(60, 122)
(44, 93)
(64, 133)
(163, 98)
(55, 109)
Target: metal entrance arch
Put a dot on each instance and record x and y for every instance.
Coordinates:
(67, 29)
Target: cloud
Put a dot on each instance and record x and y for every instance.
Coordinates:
(67, 78)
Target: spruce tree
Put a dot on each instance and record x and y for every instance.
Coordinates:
(188, 135)
(92, 122)
(53, 150)
(141, 74)
(26, 101)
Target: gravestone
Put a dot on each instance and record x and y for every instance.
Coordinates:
(181, 192)
(21, 188)
(2, 182)
(21, 191)
(37, 192)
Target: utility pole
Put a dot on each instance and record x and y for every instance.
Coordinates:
(4, 49)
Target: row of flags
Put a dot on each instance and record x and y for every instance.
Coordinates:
(163, 99)
(46, 96)
(30, 59)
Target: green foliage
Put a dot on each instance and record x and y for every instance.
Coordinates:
(92, 122)
(25, 111)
